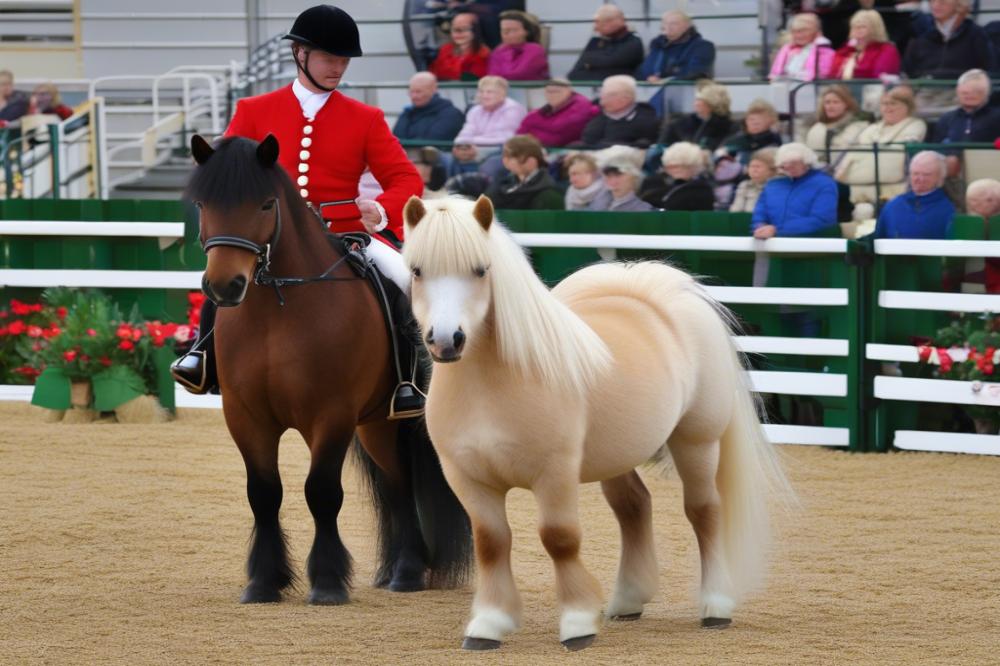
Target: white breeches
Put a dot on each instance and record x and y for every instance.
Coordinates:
(391, 264)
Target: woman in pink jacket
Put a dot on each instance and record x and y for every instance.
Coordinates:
(519, 57)
(808, 55)
(562, 119)
(868, 54)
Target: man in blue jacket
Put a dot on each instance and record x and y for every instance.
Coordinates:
(801, 203)
(923, 212)
(680, 53)
(430, 117)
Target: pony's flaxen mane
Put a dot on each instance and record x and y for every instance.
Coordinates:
(535, 333)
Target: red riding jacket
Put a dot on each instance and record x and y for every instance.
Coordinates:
(327, 156)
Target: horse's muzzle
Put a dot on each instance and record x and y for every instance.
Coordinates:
(446, 352)
(229, 295)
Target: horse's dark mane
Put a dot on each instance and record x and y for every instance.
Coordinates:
(233, 176)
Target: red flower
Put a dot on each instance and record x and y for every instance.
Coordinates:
(3, 314)
(124, 331)
(924, 353)
(84, 358)
(105, 361)
(19, 308)
(988, 369)
(27, 371)
(51, 332)
(70, 355)
(127, 345)
(3, 331)
(61, 312)
(944, 359)
(16, 327)
(91, 332)
(34, 331)
(136, 333)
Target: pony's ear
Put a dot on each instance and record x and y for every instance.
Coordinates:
(483, 212)
(200, 149)
(414, 211)
(267, 151)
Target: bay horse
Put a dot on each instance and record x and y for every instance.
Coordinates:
(618, 366)
(312, 355)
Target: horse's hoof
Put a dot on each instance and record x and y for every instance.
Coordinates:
(328, 597)
(630, 617)
(479, 644)
(407, 585)
(715, 622)
(579, 643)
(257, 594)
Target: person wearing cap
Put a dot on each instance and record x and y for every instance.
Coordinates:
(621, 177)
(562, 119)
(326, 141)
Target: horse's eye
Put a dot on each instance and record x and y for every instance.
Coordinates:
(197, 204)
(268, 205)
(416, 272)
(480, 272)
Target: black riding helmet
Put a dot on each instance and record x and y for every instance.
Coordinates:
(326, 28)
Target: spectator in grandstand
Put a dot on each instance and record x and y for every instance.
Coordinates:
(760, 170)
(495, 118)
(527, 185)
(45, 99)
(733, 156)
(430, 166)
(982, 198)
(562, 119)
(679, 54)
(681, 185)
(623, 120)
(520, 57)
(465, 57)
(869, 54)
(13, 103)
(955, 45)
(615, 49)
(620, 181)
(897, 126)
(975, 120)
(801, 202)
(429, 117)
(923, 212)
(838, 125)
(708, 125)
(585, 181)
(807, 56)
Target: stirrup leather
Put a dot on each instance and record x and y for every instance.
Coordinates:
(191, 371)
(407, 401)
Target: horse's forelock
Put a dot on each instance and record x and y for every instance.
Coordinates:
(233, 175)
(448, 240)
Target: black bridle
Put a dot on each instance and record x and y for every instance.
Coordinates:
(262, 270)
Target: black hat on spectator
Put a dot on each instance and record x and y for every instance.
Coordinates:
(329, 29)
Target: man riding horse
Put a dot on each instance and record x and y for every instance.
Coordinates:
(309, 117)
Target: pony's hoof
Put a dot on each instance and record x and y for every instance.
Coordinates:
(479, 644)
(630, 617)
(328, 597)
(258, 594)
(407, 585)
(715, 622)
(579, 643)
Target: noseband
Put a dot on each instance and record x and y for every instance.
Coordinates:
(263, 252)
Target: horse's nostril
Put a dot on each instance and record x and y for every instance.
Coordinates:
(237, 284)
(429, 339)
(459, 339)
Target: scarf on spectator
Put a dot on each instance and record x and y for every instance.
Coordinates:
(579, 198)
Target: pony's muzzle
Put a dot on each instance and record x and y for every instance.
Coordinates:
(230, 294)
(444, 350)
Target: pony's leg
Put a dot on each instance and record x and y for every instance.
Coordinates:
(697, 464)
(638, 575)
(579, 593)
(268, 568)
(329, 564)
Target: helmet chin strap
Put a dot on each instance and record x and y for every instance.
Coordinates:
(304, 68)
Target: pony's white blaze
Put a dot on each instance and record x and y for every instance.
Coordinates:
(446, 306)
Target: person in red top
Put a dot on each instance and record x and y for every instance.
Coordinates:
(868, 54)
(465, 56)
(326, 141)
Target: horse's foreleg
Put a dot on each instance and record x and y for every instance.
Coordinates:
(638, 575)
(579, 593)
(329, 564)
(697, 464)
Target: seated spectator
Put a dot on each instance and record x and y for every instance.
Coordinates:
(615, 49)
(623, 120)
(837, 125)
(430, 166)
(955, 45)
(680, 53)
(733, 156)
(45, 99)
(13, 103)
(975, 120)
(923, 212)
(682, 184)
(710, 123)
(520, 57)
(465, 56)
(801, 202)
(869, 54)
(982, 276)
(807, 56)
(562, 119)
(430, 117)
(585, 180)
(528, 185)
(495, 118)
(760, 170)
(898, 126)
(620, 166)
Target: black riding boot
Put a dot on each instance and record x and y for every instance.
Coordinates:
(195, 371)
(408, 399)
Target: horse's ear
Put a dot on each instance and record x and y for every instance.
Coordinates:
(414, 211)
(483, 212)
(200, 149)
(267, 151)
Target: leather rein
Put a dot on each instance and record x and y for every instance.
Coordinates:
(262, 270)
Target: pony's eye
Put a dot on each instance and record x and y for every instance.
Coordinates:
(480, 272)
(268, 205)
(416, 272)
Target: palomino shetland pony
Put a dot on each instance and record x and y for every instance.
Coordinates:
(615, 367)
(317, 361)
